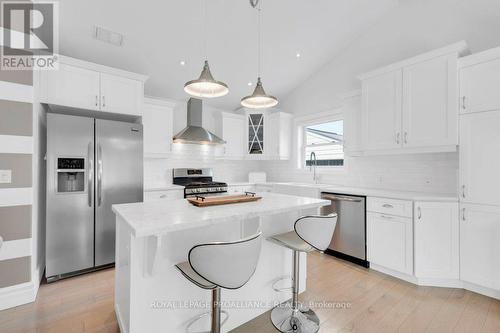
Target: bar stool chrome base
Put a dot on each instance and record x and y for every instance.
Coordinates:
(287, 320)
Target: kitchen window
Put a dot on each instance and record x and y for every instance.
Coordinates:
(326, 140)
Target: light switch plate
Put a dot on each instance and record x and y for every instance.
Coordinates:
(5, 176)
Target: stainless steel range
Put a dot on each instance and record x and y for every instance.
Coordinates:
(197, 182)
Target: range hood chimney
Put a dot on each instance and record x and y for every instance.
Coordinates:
(194, 132)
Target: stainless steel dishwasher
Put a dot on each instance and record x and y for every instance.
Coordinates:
(349, 239)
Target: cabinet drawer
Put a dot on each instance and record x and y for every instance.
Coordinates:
(162, 195)
(390, 206)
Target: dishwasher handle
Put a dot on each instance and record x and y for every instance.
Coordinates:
(332, 197)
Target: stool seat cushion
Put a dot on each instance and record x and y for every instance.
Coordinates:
(194, 277)
(292, 241)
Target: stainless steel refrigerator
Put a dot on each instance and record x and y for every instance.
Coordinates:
(91, 165)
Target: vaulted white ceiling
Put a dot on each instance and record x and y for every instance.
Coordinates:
(161, 33)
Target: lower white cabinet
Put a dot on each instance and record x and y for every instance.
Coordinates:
(436, 231)
(390, 241)
(480, 245)
(163, 195)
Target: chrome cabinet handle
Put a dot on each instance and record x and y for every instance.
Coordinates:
(386, 217)
(103, 102)
(419, 214)
(406, 137)
(339, 198)
(464, 107)
(387, 206)
(90, 171)
(463, 191)
(163, 196)
(99, 175)
(96, 100)
(398, 137)
(463, 214)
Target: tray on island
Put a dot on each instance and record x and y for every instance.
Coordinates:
(202, 201)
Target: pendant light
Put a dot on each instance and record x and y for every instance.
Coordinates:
(259, 99)
(206, 86)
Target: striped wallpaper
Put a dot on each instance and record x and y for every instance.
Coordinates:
(16, 197)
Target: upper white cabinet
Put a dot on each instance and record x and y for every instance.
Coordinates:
(233, 133)
(479, 82)
(352, 124)
(436, 240)
(381, 111)
(157, 120)
(480, 158)
(279, 137)
(72, 86)
(411, 106)
(430, 103)
(120, 94)
(84, 85)
(480, 245)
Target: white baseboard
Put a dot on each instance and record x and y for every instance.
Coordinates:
(434, 282)
(20, 294)
(119, 319)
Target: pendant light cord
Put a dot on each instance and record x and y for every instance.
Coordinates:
(205, 27)
(259, 38)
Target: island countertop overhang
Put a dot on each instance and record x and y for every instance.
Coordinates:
(159, 217)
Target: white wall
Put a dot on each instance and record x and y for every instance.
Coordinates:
(414, 27)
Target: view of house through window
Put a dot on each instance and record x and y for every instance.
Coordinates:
(326, 140)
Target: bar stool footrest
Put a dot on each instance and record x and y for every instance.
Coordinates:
(203, 315)
(280, 279)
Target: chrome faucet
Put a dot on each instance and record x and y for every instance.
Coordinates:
(312, 158)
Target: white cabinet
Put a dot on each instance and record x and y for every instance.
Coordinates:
(436, 240)
(233, 132)
(479, 82)
(390, 242)
(72, 86)
(157, 121)
(83, 85)
(381, 111)
(430, 96)
(480, 245)
(351, 110)
(279, 136)
(120, 94)
(480, 158)
(411, 106)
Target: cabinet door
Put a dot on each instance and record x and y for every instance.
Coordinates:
(73, 86)
(233, 132)
(121, 95)
(255, 131)
(479, 87)
(157, 121)
(352, 125)
(480, 245)
(436, 240)
(390, 242)
(381, 111)
(430, 91)
(480, 158)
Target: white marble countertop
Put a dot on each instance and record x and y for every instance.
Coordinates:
(158, 217)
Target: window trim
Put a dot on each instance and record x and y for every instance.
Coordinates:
(302, 122)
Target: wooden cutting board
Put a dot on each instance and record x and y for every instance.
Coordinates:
(222, 200)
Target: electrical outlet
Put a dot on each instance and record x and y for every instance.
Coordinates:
(5, 176)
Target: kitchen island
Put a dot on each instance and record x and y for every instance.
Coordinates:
(150, 293)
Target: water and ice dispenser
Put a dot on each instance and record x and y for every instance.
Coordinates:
(70, 175)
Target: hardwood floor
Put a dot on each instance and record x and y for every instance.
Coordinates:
(367, 301)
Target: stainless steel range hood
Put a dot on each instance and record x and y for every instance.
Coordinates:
(194, 133)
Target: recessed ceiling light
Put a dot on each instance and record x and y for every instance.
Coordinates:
(298, 55)
(249, 84)
(182, 62)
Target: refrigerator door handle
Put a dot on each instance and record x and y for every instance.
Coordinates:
(99, 175)
(90, 171)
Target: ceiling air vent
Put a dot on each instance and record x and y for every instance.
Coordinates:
(108, 36)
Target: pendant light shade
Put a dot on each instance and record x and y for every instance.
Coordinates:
(259, 99)
(206, 85)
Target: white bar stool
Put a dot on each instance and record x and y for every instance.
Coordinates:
(228, 265)
(311, 233)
